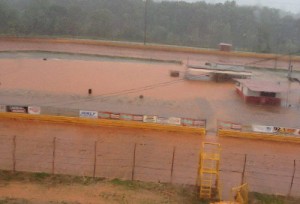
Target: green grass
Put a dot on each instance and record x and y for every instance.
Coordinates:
(177, 193)
(23, 201)
(45, 178)
(13, 201)
(259, 198)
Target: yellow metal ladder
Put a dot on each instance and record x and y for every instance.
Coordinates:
(208, 174)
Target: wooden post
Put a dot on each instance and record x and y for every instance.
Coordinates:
(53, 155)
(292, 182)
(133, 163)
(95, 159)
(14, 153)
(172, 166)
(244, 169)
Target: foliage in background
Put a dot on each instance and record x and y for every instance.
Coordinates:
(198, 24)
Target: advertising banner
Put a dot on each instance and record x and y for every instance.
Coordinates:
(138, 117)
(104, 115)
(88, 114)
(162, 120)
(236, 126)
(149, 119)
(35, 110)
(297, 132)
(282, 130)
(224, 125)
(124, 116)
(2, 108)
(17, 109)
(199, 123)
(174, 121)
(115, 116)
(262, 128)
(187, 122)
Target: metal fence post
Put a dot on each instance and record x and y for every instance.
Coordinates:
(172, 166)
(292, 181)
(53, 155)
(95, 159)
(14, 153)
(133, 163)
(244, 169)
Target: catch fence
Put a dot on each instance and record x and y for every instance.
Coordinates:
(272, 174)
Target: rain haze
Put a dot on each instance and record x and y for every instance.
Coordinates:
(149, 101)
(285, 5)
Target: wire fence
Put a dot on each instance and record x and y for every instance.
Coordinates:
(272, 174)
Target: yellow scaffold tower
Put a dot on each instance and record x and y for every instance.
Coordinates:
(208, 174)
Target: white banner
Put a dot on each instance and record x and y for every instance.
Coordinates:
(261, 128)
(88, 114)
(297, 132)
(174, 121)
(162, 120)
(35, 110)
(150, 119)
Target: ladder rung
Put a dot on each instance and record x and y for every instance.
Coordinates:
(208, 190)
(205, 181)
(203, 186)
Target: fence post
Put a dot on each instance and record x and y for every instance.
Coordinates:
(292, 182)
(217, 132)
(244, 169)
(14, 152)
(133, 163)
(95, 159)
(172, 166)
(53, 155)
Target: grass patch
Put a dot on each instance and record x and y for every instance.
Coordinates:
(13, 201)
(259, 198)
(45, 178)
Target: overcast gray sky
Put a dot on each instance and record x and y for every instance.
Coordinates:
(287, 5)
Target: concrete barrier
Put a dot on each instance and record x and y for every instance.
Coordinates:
(258, 136)
(103, 122)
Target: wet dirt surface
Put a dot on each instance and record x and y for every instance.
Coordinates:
(109, 152)
(116, 87)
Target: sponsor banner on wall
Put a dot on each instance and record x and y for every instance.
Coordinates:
(149, 119)
(124, 116)
(35, 110)
(2, 108)
(115, 116)
(262, 128)
(138, 117)
(199, 123)
(187, 122)
(104, 115)
(174, 121)
(236, 126)
(17, 109)
(224, 125)
(282, 130)
(297, 132)
(88, 114)
(162, 120)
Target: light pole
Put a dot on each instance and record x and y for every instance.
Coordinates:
(145, 23)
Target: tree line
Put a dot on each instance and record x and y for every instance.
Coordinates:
(198, 24)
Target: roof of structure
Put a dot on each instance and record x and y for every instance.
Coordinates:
(229, 72)
(263, 86)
